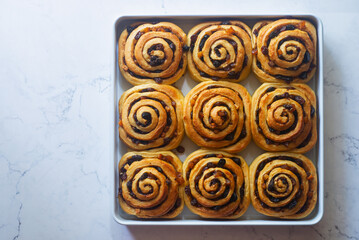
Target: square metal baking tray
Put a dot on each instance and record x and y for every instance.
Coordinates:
(251, 217)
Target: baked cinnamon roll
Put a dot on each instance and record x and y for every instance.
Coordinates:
(217, 115)
(151, 184)
(152, 53)
(284, 50)
(283, 185)
(284, 117)
(216, 184)
(151, 117)
(220, 51)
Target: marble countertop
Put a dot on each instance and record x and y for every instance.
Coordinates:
(55, 106)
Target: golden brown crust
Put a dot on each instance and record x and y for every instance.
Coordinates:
(216, 184)
(151, 184)
(284, 118)
(220, 51)
(283, 185)
(217, 115)
(284, 50)
(151, 117)
(152, 53)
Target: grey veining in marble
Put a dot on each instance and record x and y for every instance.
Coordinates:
(55, 105)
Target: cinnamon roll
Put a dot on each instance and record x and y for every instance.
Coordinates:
(284, 117)
(151, 184)
(284, 50)
(151, 117)
(152, 53)
(216, 184)
(220, 51)
(217, 115)
(283, 185)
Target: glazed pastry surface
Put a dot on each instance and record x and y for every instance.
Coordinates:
(284, 51)
(152, 53)
(150, 117)
(283, 185)
(216, 184)
(220, 51)
(217, 115)
(284, 117)
(151, 184)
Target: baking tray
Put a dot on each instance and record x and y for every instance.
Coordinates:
(251, 217)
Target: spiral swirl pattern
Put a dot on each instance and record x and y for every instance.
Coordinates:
(284, 117)
(220, 51)
(284, 50)
(152, 53)
(283, 185)
(216, 184)
(150, 117)
(216, 115)
(151, 184)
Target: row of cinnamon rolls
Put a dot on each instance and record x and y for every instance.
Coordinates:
(219, 115)
(216, 184)
(277, 51)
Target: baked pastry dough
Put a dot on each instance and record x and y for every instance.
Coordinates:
(284, 117)
(283, 185)
(284, 50)
(217, 115)
(216, 184)
(151, 117)
(151, 184)
(152, 53)
(220, 51)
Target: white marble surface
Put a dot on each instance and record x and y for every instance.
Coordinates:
(55, 108)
